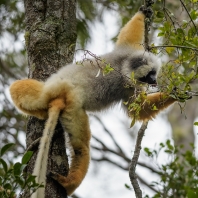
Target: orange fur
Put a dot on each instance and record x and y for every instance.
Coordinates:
(28, 97)
(133, 32)
(159, 100)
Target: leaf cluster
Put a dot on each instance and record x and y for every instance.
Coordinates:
(13, 179)
(179, 176)
(179, 41)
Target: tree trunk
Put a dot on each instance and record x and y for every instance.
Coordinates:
(50, 39)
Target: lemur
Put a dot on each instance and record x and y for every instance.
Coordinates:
(73, 90)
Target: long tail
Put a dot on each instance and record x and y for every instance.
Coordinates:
(40, 168)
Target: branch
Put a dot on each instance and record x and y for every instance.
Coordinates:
(189, 16)
(111, 136)
(147, 5)
(177, 46)
(132, 167)
(105, 148)
(124, 168)
(5, 68)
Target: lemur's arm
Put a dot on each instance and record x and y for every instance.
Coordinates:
(158, 100)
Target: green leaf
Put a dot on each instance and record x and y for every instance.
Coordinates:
(159, 14)
(147, 151)
(127, 186)
(5, 148)
(4, 164)
(31, 179)
(194, 14)
(7, 186)
(107, 69)
(20, 180)
(160, 34)
(196, 123)
(132, 122)
(17, 168)
(154, 108)
(26, 158)
(191, 194)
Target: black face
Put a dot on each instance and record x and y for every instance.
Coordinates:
(150, 78)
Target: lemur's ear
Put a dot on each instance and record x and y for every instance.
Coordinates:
(132, 34)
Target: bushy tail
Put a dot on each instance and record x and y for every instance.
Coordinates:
(40, 167)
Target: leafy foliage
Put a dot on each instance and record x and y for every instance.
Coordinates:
(13, 179)
(179, 176)
(179, 43)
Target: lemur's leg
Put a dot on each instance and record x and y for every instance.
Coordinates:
(75, 121)
(28, 96)
(133, 32)
(159, 100)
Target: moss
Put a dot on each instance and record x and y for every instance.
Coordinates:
(27, 37)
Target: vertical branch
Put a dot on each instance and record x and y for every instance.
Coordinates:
(132, 166)
(147, 6)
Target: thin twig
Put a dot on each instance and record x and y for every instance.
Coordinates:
(108, 132)
(132, 167)
(176, 46)
(189, 16)
(123, 156)
(6, 69)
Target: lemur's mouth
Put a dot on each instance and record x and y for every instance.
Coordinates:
(148, 80)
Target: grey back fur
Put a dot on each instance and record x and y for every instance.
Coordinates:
(97, 92)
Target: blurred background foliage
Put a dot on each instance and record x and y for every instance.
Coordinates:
(175, 24)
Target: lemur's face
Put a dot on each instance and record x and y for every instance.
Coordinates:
(145, 67)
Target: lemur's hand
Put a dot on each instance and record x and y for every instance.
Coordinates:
(147, 11)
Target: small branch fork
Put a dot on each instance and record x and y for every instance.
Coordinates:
(134, 161)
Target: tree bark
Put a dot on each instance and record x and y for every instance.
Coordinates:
(50, 39)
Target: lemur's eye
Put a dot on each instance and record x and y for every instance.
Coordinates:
(137, 62)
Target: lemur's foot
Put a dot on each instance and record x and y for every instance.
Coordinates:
(70, 183)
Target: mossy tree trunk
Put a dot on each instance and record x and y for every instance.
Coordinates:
(50, 39)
